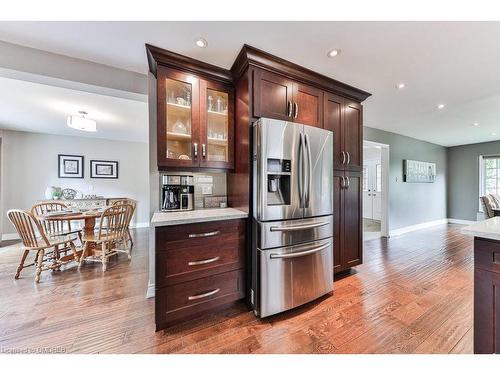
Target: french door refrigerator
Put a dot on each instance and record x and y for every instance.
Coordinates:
(292, 244)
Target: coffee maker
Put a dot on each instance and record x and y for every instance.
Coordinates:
(177, 193)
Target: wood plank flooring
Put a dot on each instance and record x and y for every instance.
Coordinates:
(413, 294)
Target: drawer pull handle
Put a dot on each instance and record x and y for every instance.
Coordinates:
(203, 295)
(208, 234)
(299, 227)
(205, 261)
(298, 254)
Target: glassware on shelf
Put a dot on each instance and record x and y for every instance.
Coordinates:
(220, 105)
(171, 97)
(188, 99)
(210, 103)
(179, 127)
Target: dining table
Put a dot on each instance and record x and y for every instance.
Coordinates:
(88, 217)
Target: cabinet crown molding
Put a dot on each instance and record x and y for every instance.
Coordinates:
(159, 56)
(251, 56)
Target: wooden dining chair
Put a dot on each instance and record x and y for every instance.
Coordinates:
(48, 250)
(112, 233)
(133, 203)
(54, 227)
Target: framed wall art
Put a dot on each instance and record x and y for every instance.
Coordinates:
(103, 169)
(419, 171)
(70, 166)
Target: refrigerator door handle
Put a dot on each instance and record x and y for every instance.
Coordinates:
(298, 227)
(301, 170)
(298, 254)
(309, 172)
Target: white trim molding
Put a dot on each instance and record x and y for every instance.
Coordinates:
(460, 221)
(140, 225)
(10, 236)
(151, 291)
(411, 228)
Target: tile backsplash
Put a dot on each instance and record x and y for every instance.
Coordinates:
(209, 189)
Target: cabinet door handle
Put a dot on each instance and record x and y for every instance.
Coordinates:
(348, 182)
(348, 158)
(289, 108)
(203, 150)
(207, 234)
(203, 295)
(343, 157)
(342, 182)
(296, 110)
(204, 261)
(195, 145)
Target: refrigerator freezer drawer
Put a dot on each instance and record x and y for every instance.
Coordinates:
(292, 276)
(293, 232)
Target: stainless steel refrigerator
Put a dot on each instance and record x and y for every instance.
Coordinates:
(292, 244)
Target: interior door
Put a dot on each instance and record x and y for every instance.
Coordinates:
(319, 172)
(308, 105)
(353, 136)
(273, 95)
(352, 243)
(333, 117)
(367, 193)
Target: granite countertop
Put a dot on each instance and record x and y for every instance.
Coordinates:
(489, 228)
(161, 219)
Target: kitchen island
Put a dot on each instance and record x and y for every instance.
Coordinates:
(486, 285)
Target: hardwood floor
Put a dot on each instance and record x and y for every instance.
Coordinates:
(413, 294)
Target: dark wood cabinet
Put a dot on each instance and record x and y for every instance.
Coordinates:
(486, 296)
(347, 220)
(353, 136)
(278, 97)
(272, 95)
(345, 119)
(194, 112)
(198, 267)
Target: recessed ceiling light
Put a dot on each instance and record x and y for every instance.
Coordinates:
(493, 133)
(476, 123)
(202, 43)
(401, 85)
(440, 106)
(333, 52)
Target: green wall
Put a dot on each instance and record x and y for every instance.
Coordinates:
(412, 203)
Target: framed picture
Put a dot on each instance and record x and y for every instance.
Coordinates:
(70, 166)
(419, 171)
(103, 169)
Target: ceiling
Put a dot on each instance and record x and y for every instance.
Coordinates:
(454, 63)
(40, 108)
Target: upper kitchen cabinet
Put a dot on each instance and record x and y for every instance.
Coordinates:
(194, 112)
(344, 118)
(276, 96)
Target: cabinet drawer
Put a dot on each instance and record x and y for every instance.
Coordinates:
(187, 300)
(189, 235)
(487, 255)
(181, 264)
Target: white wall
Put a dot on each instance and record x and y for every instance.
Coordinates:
(29, 165)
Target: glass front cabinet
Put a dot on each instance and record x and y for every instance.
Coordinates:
(195, 121)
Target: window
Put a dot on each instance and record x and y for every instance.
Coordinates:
(365, 179)
(378, 172)
(491, 175)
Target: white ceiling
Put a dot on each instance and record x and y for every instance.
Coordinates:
(41, 108)
(455, 63)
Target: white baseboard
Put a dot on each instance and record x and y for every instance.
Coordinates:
(10, 236)
(411, 228)
(140, 225)
(151, 291)
(460, 221)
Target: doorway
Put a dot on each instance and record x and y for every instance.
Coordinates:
(375, 190)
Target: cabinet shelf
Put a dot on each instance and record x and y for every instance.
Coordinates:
(178, 109)
(178, 136)
(217, 141)
(217, 114)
